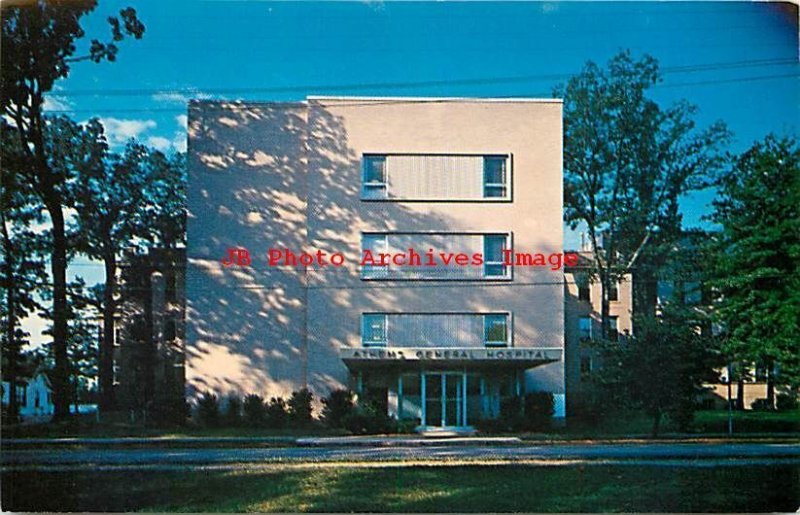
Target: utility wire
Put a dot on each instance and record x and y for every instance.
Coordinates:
(410, 84)
(199, 93)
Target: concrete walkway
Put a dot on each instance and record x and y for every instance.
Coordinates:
(404, 441)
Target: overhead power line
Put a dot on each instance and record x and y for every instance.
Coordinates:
(182, 109)
(403, 85)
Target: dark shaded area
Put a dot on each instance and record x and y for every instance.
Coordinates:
(415, 489)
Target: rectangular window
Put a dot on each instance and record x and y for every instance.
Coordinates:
(374, 185)
(583, 283)
(373, 330)
(495, 183)
(495, 330)
(435, 256)
(436, 177)
(613, 291)
(613, 330)
(585, 328)
(375, 244)
(493, 247)
(436, 330)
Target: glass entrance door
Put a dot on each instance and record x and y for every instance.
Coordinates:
(445, 397)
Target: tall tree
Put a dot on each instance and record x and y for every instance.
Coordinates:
(627, 162)
(23, 267)
(82, 337)
(38, 48)
(119, 201)
(757, 259)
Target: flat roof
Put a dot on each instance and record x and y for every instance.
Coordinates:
(376, 100)
(436, 99)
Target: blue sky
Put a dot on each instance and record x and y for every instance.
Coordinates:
(287, 50)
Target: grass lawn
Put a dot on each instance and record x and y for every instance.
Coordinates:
(626, 424)
(748, 421)
(594, 488)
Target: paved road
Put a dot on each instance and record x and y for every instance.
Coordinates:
(695, 454)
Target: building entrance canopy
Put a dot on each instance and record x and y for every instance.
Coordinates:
(512, 357)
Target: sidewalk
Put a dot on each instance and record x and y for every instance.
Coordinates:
(371, 441)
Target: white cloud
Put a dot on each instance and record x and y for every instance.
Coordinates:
(178, 142)
(120, 131)
(159, 143)
(56, 103)
(171, 97)
(182, 120)
(179, 97)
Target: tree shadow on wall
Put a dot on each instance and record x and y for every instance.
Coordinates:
(284, 176)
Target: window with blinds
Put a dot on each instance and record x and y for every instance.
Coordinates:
(457, 330)
(436, 177)
(435, 256)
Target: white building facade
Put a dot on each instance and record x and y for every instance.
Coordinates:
(436, 341)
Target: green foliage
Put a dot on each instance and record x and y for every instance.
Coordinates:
(233, 411)
(407, 426)
(336, 407)
(661, 369)
(39, 47)
(627, 163)
(277, 413)
(367, 419)
(208, 410)
(786, 402)
(255, 412)
(82, 345)
(539, 410)
(22, 259)
(300, 408)
(757, 257)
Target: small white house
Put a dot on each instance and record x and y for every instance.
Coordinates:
(35, 396)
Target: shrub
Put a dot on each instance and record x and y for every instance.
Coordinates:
(367, 419)
(233, 411)
(254, 411)
(539, 408)
(490, 425)
(511, 417)
(300, 408)
(760, 405)
(587, 407)
(172, 412)
(786, 402)
(338, 405)
(407, 425)
(208, 410)
(276, 413)
(682, 414)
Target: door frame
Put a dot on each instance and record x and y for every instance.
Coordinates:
(461, 398)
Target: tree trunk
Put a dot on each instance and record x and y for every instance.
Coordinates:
(605, 310)
(656, 424)
(12, 354)
(740, 394)
(58, 265)
(645, 293)
(106, 368)
(770, 384)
